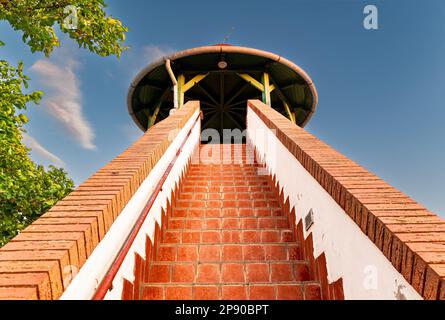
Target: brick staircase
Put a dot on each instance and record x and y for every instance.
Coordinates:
(229, 237)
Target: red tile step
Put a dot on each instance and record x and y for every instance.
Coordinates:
(228, 237)
(293, 291)
(229, 252)
(230, 223)
(218, 236)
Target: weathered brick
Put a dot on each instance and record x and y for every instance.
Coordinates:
(403, 229)
(68, 233)
(38, 280)
(52, 268)
(18, 293)
(36, 246)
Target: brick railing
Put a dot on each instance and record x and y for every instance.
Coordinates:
(40, 262)
(411, 237)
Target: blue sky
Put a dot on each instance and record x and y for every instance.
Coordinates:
(381, 92)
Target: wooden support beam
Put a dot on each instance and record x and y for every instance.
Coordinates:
(284, 100)
(194, 70)
(207, 94)
(254, 82)
(234, 120)
(266, 89)
(193, 81)
(221, 99)
(207, 123)
(152, 119)
(230, 106)
(237, 93)
(181, 83)
(289, 113)
(298, 111)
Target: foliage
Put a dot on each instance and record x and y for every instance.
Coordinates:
(27, 190)
(37, 19)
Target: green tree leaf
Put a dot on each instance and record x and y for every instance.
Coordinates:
(85, 21)
(27, 189)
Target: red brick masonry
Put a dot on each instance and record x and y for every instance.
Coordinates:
(37, 264)
(227, 235)
(409, 235)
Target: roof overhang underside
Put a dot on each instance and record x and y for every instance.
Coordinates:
(223, 93)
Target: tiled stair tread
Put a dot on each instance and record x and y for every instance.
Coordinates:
(233, 219)
(308, 291)
(228, 223)
(217, 236)
(229, 272)
(229, 203)
(228, 238)
(229, 195)
(261, 188)
(238, 252)
(226, 183)
(227, 213)
(266, 245)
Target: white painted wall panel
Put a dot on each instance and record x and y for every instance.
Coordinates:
(350, 254)
(86, 281)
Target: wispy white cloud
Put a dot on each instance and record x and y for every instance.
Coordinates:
(136, 58)
(40, 150)
(132, 132)
(63, 98)
(151, 53)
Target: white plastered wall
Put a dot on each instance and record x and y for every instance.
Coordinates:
(350, 254)
(92, 272)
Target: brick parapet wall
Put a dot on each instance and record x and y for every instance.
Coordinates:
(411, 237)
(40, 262)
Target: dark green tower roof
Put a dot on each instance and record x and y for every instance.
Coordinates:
(223, 92)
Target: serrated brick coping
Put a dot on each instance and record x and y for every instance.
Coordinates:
(40, 262)
(411, 237)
